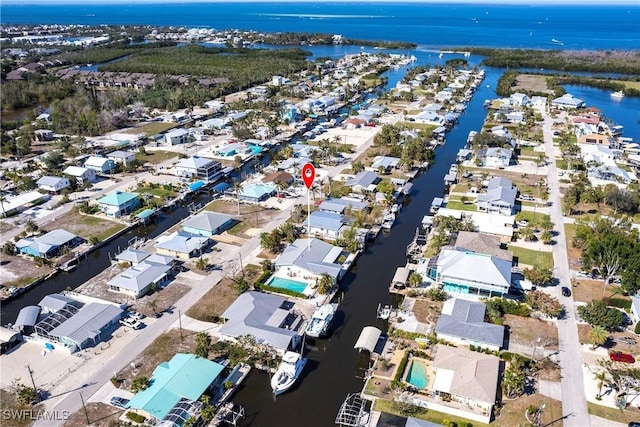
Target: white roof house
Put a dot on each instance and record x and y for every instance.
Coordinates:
(80, 173)
(53, 184)
(99, 164)
(176, 136)
(138, 279)
(500, 197)
(568, 101)
(310, 258)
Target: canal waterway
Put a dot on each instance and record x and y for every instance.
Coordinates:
(332, 368)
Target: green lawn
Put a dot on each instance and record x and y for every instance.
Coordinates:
(457, 204)
(532, 257)
(612, 414)
(152, 128)
(628, 84)
(104, 228)
(530, 217)
(156, 157)
(414, 125)
(561, 164)
(424, 414)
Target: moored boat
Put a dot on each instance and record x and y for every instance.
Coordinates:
(619, 94)
(321, 320)
(388, 221)
(288, 372)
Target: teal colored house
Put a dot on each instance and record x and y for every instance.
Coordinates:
(118, 203)
(175, 389)
(255, 193)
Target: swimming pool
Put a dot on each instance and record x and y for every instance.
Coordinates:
(417, 375)
(291, 285)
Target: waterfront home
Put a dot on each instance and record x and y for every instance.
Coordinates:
(601, 164)
(309, 259)
(118, 203)
(362, 182)
(216, 123)
(82, 175)
(52, 184)
(568, 101)
(293, 165)
(463, 155)
(138, 279)
(339, 206)
(500, 197)
(199, 168)
(207, 223)
(494, 157)
(270, 319)
(325, 225)
(503, 132)
(429, 118)
(256, 193)
(483, 243)
(232, 149)
(176, 386)
(279, 178)
(176, 136)
(47, 245)
(461, 322)
(465, 272)
(100, 164)
(596, 138)
(182, 245)
(488, 223)
(387, 163)
(519, 99)
(122, 157)
(539, 103)
(467, 377)
(73, 325)
(132, 256)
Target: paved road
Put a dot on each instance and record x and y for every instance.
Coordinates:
(574, 401)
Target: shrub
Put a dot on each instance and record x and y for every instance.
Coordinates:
(502, 306)
(596, 313)
(545, 303)
(136, 418)
(401, 366)
(435, 294)
(637, 328)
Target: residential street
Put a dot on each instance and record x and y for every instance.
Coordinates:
(574, 403)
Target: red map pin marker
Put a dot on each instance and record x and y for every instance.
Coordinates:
(308, 175)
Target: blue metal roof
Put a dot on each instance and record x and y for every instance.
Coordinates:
(219, 188)
(196, 185)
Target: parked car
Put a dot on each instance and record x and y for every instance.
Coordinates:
(119, 402)
(618, 356)
(135, 315)
(566, 291)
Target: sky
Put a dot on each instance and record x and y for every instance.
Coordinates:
(502, 2)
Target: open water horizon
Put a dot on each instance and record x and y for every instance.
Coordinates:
(427, 24)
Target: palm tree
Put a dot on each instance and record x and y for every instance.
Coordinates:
(237, 187)
(601, 377)
(598, 336)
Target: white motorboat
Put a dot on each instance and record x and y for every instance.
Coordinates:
(619, 94)
(388, 221)
(288, 372)
(321, 320)
(384, 312)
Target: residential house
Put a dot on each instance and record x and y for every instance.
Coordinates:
(494, 157)
(483, 243)
(207, 223)
(175, 389)
(467, 377)
(503, 132)
(279, 178)
(118, 203)
(47, 245)
(500, 197)
(256, 193)
(385, 162)
(465, 272)
(268, 318)
(176, 136)
(199, 168)
(182, 245)
(122, 157)
(339, 206)
(539, 102)
(232, 150)
(461, 322)
(44, 135)
(81, 174)
(364, 181)
(596, 138)
(52, 184)
(429, 118)
(568, 101)
(463, 155)
(138, 279)
(310, 259)
(99, 164)
(519, 99)
(325, 225)
(132, 256)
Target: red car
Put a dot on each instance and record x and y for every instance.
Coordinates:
(618, 356)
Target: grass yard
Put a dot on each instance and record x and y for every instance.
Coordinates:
(457, 204)
(156, 156)
(573, 253)
(531, 217)
(628, 84)
(87, 225)
(532, 257)
(423, 414)
(626, 416)
(414, 125)
(160, 192)
(99, 414)
(214, 302)
(152, 128)
(512, 414)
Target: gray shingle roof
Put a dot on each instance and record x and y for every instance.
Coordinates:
(465, 319)
(483, 244)
(254, 313)
(363, 179)
(316, 256)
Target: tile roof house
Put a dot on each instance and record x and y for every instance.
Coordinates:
(199, 168)
(468, 377)
(82, 175)
(99, 164)
(118, 203)
(326, 225)
(462, 322)
(500, 197)
(182, 245)
(262, 316)
(463, 272)
(207, 223)
(175, 389)
(310, 258)
(47, 245)
(363, 181)
(138, 279)
(52, 184)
